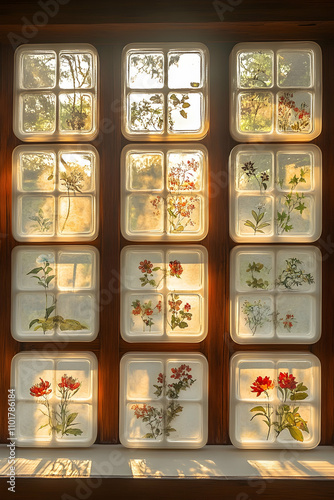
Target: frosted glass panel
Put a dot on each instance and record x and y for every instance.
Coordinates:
(56, 399)
(55, 193)
(164, 294)
(275, 400)
(275, 294)
(276, 91)
(55, 293)
(56, 92)
(163, 400)
(275, 193)
(164, 193)
(165, 91)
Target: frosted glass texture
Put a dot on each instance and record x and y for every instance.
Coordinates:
(56, 399)
(164, 293)
(275, 294)
(275, 193)
(275, 400)
(55, 193)
(55, 293)
(164, 192)
(56, 92)
(165, 91)
(276, 91)
(163, 400)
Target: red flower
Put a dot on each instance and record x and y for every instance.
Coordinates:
(160, 378)
(262, 385)
(159, 306)
(141, 412)
(287, 381)
(181, 372)
(69, 383)
(175, 268)
(146, 266)
(41, 389)
(148, 312)
(137, 310)
(174, 305)
(187, 307)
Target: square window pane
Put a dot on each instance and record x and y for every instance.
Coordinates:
(42, 116)
(178, 389)
(76, 70)
(146, 70)
(294, 68)
(146, 112)
(184, 70)
(264, 389)
(275, 294)
(53, 407)
(288, 112)
(164, 193)
(39, 70)
(275, 193)
(149, 108)
(39, 113)
(68, 172)
(164, 294)
(55, 293)
(255, 69)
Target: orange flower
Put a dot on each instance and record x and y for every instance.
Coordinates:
(262, 385)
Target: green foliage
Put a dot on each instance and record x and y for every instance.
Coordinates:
(43, 224)
(294, 275)
(147, 114)
(256, 314)
(292, 201)
(177, 103)
(257, 225)
(259, 283)
(255, 112)
(255, 69)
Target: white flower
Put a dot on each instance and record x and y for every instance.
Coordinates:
(44, 258)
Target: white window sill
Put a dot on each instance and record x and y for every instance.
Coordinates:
(225, 462)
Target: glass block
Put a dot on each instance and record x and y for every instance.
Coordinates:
(164, 293)
(56, 398)
(184, 70)
(164, 193)
(55, 193)
(38, 113)
(184, 112)
(165, 91)
(70, 111)
(275, 193)
(163, 400)
(38, 70)
(275, 294)
(275, 400)
(292, 109)
(146, 70)
(75, 112)
(55, 293)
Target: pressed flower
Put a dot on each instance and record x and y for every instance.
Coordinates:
(262, 385)
(41, 389)
(175, 268)
(145, 266)
(69, 383)
(287, 381)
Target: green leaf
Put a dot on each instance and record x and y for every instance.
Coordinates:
(42, 284)
(257, 414)
(290, 418)
(148, 436)
(299, 396)
(186, 105)
(49, 278)
(249, 224)
(173, 97)
(180, 228)
(183, 113)
(41, 427)
(49, 310)
(75, 432)
(35, 270)
(254, 214)
(183, 324)
(156, 269)
(301, 387)
(50, 177)
(258, 408)
(264, 224)
(72, 325)
(260, 217)
(71, 417)
(48, 269)
(194, 84)
(171, 213)
(296, 433)
(33, 322)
